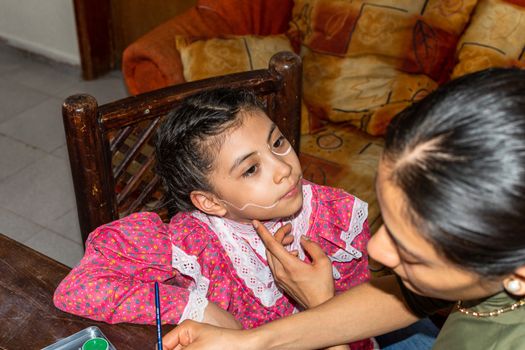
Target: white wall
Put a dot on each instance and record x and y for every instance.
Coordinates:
(46, 27)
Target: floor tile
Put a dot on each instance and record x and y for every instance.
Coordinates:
(17, 227)
(37, 204)
(67, 225)
(40, 126)
(61, 152)
(16, 155)
(9, 59)
(56, 247)
(43, 191)
(44, 77)
(105, 89)
(16, 98)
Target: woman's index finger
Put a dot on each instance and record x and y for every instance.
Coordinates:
(273, 246)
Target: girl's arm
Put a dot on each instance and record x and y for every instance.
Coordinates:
(216, 316)
(114, 281)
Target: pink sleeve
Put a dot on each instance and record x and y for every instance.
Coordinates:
(197, 240)
(114, 281)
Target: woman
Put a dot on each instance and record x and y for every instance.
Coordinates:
(451, 187)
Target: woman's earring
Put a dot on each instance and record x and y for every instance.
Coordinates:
(513, 286)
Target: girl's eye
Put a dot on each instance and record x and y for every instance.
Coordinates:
(251, 171)
(280, 142)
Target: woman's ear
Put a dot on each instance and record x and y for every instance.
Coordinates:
(515, 283)
(208, 203)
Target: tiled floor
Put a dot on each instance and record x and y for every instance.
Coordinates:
(37, 204)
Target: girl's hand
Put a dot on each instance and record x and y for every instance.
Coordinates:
(309, 284)
(216, 316)
(193, 335)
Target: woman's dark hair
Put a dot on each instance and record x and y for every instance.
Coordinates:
(458, 155)
(190, 138)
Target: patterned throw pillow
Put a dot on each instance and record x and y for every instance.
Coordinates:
(495, 37)
(205, 58)
(364, 61)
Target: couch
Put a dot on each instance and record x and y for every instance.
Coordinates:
(363, 62)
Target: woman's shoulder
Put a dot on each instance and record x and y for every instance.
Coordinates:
(504, 331)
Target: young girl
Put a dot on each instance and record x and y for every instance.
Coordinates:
(223, 163)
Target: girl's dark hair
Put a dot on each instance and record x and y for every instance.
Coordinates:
(458, 155)
(190, 138)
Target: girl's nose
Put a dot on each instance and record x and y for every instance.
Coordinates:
(282, 169)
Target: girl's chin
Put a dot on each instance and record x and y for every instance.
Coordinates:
(293, 208)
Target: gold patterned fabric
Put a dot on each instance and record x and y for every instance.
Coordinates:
(494, 38)
(205, 58)
(364, 61)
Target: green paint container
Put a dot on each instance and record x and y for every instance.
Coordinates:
(96, 344)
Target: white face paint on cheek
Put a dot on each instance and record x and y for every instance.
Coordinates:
(273, 205)
(251, 205)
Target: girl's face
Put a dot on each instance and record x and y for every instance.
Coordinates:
(257, 174)
(399, 245)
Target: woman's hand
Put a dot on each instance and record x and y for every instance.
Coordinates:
(309, 284)
(216, 316)
(193, 335)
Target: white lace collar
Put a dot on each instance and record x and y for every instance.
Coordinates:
(247, 251)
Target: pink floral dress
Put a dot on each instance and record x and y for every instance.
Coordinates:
(199, 259)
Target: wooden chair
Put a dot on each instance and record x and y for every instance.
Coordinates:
(110, 146)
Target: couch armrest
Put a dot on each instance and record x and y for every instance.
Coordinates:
(153, 61)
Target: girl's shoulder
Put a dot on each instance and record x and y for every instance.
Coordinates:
(335, 205)
(187, 221)
(326, 194)
(139, 220)
(130, 231)
(187, 226)
(339, 223)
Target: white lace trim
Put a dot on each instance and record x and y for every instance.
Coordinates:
(359, 215)
(197, 301)
(301, 223)
(248, 254)
(241, 243)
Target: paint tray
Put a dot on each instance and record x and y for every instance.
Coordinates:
(75, 341)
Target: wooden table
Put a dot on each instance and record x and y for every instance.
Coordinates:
(28, 318)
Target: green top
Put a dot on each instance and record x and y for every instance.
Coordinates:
(96, 344)
(465, 332)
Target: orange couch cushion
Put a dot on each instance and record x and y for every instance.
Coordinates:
(365, 61)
(495, 37)
(153, 62)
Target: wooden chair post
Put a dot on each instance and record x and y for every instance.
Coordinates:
(89, 162)
(286, 108)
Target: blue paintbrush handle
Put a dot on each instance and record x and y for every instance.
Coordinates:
(157, 314)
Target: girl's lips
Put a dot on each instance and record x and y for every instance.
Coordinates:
(291, 193)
